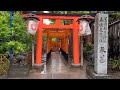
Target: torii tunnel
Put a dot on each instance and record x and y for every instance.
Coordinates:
(60, 31)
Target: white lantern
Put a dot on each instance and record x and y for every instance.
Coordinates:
(32, 24)
(84, 28)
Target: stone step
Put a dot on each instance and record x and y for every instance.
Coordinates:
(19, 71)
(19, 66)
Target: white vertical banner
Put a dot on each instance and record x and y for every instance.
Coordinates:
(101, 43)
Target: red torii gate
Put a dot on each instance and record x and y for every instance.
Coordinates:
(73, 26)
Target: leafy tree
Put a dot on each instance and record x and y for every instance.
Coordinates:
(19, 40)
(69, 12)
(114, 16)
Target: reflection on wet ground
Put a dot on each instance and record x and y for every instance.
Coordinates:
(57, 68)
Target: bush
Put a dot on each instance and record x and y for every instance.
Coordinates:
(88, 47)
(115, 64)
(17, 37)
(88, 52)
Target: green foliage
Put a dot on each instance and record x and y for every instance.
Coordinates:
(54, 39)
(115, 64)
(19, 39)
(78, 12)
(87, 51)
(44, 39)
(114, 16)
(88, 47)
(57, 12)
(69, 12)
(16, 46)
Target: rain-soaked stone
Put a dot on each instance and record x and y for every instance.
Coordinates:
(57, 68)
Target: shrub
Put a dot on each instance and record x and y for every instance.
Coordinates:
(17, 37)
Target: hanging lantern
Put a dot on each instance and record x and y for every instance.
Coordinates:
(32, 24)
(84, 27)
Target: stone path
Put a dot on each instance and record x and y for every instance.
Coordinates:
(57, 68)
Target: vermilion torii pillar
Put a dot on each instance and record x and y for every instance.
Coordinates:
(39, 44)
(74, 26)
(76, 61)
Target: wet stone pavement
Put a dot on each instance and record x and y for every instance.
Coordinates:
(57, 68)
